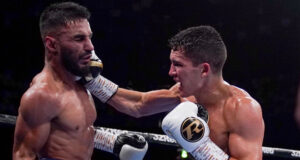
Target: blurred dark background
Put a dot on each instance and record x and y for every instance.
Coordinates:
(130, 37)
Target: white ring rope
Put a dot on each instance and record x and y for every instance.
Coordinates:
(165, 140)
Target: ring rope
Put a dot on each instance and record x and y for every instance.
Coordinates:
(165, 140)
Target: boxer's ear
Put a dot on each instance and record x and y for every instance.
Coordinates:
(205, 69)
(50, 44)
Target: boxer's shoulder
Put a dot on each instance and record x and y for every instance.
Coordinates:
(241, 112)
(240, 107)
(45, 84)
(238, 98)
(39, 91)
(236, 104)
(40, 98)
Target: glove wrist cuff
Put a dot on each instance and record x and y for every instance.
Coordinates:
(104, 141)
(102, 88)
(209, 150)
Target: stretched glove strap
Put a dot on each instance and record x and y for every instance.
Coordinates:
(202, 113)
(209, 150)
(104, 141)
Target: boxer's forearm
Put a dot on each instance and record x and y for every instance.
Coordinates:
(140, 104)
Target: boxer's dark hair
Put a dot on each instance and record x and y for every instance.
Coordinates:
(201, 44)
(59, 14)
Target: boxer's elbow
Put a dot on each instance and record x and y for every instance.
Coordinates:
(137, 110)
(137, 115)
(140, 109)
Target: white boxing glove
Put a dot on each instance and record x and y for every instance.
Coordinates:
(192, 132)
(126, 146)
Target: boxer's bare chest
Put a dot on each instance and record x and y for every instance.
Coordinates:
(78, 110)
(219, 131)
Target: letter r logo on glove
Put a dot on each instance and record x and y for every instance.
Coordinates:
(192, 129)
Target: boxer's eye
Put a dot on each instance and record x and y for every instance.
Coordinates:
(79, 38)
(177, 64)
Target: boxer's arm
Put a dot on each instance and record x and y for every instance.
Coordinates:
(32, 127)
(139, 104)
(246, 136)
(130, 102)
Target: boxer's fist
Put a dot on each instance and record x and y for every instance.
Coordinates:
(187, 124)
(95, 68)
(98, 85)
(130, 147)
(184, 125)
(126, 146)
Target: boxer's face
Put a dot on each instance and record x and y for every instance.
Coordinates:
(183, 71)
(75, 47)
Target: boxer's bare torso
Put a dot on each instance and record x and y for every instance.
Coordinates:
(232, 119)
(235, 118)
(56, 118)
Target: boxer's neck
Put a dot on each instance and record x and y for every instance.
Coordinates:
(213, 92)
(60, 72)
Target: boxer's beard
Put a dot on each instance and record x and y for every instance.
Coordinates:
(70, 62)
